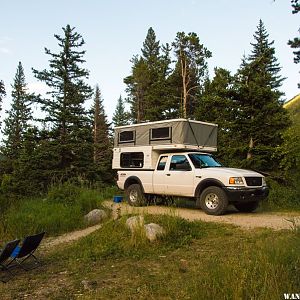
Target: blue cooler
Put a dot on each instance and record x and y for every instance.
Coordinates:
(118, 199)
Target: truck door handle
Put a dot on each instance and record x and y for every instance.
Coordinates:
(168, 174)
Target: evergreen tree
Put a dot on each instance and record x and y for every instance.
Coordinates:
(295, 43)
(2, 95)
(137, 84)
(260, 117)
(192, 67)
(102, 143)
(217, 105)
(19, 116)
(120, 116)
(146, 86)
(66, 117)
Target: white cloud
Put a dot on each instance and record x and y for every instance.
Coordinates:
(5, 50)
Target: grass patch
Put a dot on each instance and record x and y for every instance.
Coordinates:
(194, 260)
(282, 198)
(114, 240)
(60, 211)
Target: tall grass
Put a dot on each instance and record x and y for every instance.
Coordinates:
(221, 262)
(61, 210)
(282, 197)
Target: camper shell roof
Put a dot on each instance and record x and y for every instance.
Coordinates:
(168, 134)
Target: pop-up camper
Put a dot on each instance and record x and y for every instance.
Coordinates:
(151, 139)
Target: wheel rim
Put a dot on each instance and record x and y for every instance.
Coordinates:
(133, 196)
(211, 201)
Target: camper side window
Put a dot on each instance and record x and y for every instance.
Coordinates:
(127, 136)
(162, 133)
(132, 160)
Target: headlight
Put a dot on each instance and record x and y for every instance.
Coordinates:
(236, 180)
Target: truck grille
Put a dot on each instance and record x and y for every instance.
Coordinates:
(253, 181)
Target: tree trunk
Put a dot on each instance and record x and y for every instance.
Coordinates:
(251, 144)
(184, 84)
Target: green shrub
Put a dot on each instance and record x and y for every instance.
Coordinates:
(65, 193)
(282, 197)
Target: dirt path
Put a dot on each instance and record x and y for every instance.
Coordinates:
(68, 237)
(247, 221)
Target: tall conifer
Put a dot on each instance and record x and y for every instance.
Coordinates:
(19, 116)
(66, 116)
(260, 117)
(120, 116)
(146, 86)
(102, 144)
(192, 66)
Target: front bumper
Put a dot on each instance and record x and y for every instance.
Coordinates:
(244, 194)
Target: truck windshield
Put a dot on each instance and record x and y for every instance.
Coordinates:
(203, 161)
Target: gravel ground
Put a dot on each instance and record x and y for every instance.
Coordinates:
(275, 221)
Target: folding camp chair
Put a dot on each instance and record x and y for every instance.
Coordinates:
(26, 250)
(5, 256)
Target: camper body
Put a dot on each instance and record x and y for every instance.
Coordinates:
(174, 158)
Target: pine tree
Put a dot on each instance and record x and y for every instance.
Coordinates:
(19, 116)
(137, 84)
(260, 117)
(102, 143)
(217, 105)
(2, 95)
(66, 117)
(120, 117)
(295, 43)
(192, 67)
(146, 86)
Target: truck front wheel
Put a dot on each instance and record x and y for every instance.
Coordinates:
(213, 201)
(135, 195)
(247, 206)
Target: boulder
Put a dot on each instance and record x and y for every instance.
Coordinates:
(95, 216)
(135, 223)
(153, 231)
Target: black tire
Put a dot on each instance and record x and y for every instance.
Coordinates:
(213, 201)
(135, 196)
(247, 206)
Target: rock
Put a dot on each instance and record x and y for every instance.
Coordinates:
(95, 216)
(183, 265)
(89, 285)
(153, 231)
(135, 223)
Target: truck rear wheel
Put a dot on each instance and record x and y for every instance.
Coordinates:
(213, 201)
(247, 206)
(135, 196)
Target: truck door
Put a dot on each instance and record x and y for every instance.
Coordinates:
(179, 178)
(159, 185)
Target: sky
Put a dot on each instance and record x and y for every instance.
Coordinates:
(114, 31)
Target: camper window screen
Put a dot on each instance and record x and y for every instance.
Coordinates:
(162, 133)
(126, 136)
(132, 160)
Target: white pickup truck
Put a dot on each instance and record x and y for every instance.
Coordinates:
(173, 158)
(197, 175)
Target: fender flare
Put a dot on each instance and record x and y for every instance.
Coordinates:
(133, 180)
(206, 183)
